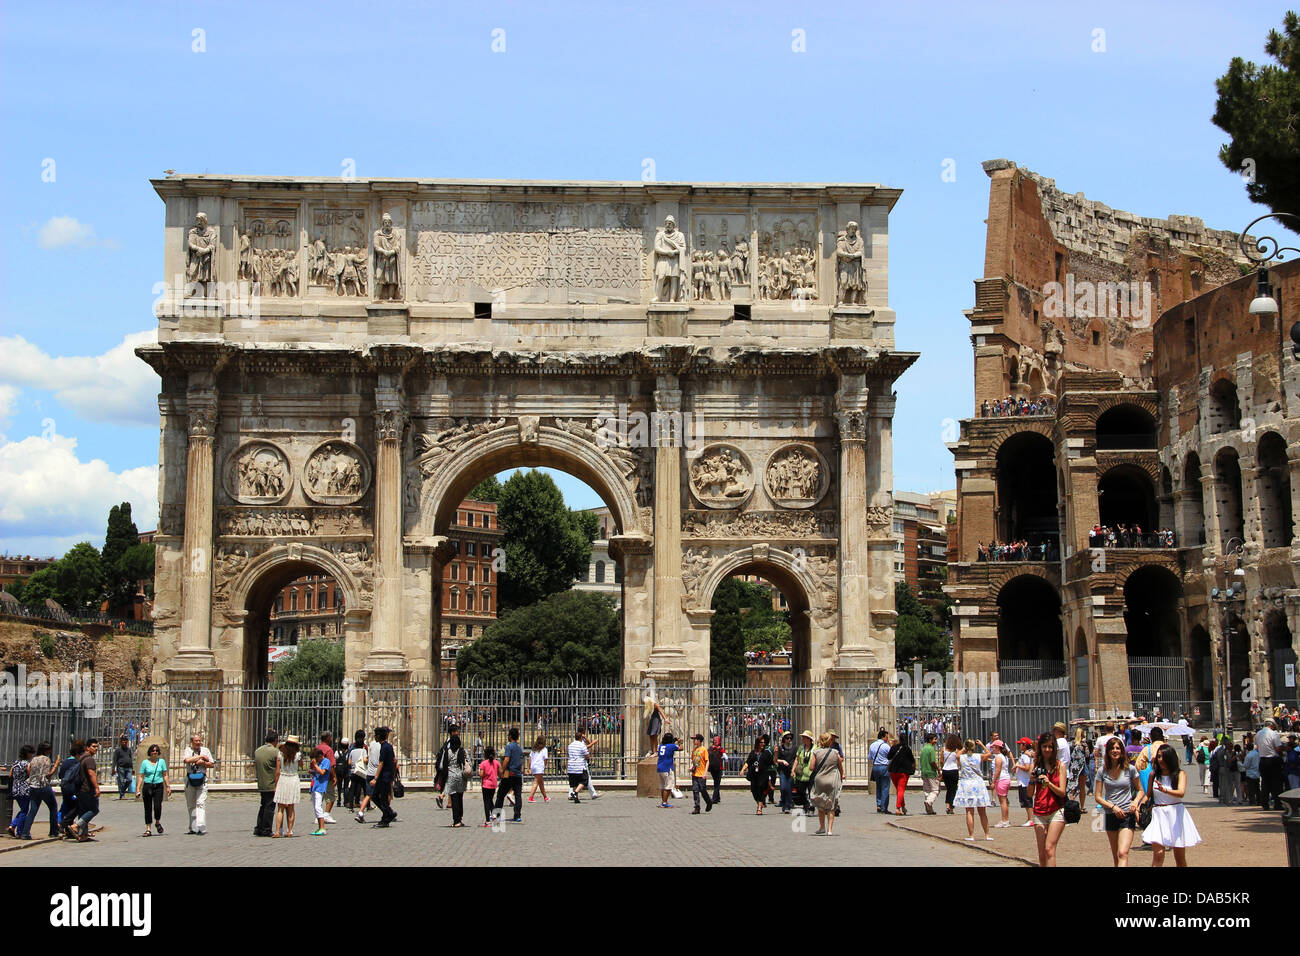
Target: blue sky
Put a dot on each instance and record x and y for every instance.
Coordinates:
(114, 94)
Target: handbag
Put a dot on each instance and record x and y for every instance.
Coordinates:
(1144, 815)
(399, 790)
(1073, 812)
(196, 778)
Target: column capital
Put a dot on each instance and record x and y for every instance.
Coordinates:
(668, 397)
(201, 407)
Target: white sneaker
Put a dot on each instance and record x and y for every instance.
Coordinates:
(361, 816)
(329, 819)
(998, 826)
(1027, 823)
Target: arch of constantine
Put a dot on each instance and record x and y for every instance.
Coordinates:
(342, 360)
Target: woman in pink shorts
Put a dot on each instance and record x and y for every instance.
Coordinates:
(1002, 780)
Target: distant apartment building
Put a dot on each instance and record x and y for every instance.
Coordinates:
(469, 578)
(19, 568)
(921, 542)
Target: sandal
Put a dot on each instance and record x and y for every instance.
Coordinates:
(159, 826)
(148, 832)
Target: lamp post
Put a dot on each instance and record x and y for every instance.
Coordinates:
(1226, 598)
(1265, 250)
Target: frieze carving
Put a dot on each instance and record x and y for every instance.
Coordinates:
(797, 476)
(636, 466)
(720, 260)
(773, 525)
(721, 477)
(825, 601)
(227, 566)
(528, 425)
(336, 473)
(433, 446)
(258, 473)
(337, 259)
(880, 519)
(312, 522)
(787, 258)
(268, 251)
(695, 568)
(356, 557)
(850, 267)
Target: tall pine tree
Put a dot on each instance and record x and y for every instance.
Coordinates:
(121, 536)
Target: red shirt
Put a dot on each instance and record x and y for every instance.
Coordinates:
(1046, 800)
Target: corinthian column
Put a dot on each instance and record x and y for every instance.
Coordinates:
(667, 430)
(855, 608)
(195, 651)
(386, 619)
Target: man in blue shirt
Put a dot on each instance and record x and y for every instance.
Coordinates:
(667, 752)
(512, 780)
(879, 754)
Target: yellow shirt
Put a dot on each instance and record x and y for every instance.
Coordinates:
(700, 761)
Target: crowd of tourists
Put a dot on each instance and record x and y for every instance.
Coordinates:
(1011, 406)
(1129, 536)
(1022, 550)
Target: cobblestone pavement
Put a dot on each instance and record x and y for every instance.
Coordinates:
(616, 829)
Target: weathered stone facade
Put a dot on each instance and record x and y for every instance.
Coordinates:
(417, 336)
(1118, 389)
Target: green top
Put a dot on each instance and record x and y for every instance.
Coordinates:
(802, 762)
(928, 765)
(264, 766)
(153, 771)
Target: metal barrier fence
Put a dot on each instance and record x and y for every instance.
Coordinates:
(62, 618)
(234, 719)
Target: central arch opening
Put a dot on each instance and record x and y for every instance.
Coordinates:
(290, 604)
(759, 632)
(1026, 481)
(528, 542)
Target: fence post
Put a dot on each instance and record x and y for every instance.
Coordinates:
(521, 713)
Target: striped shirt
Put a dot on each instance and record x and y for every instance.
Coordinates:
(577, 757)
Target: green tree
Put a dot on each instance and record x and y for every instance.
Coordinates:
(916, 635)
(726, 634)
(136, 564)
(545, 543)
(121, 536)
(1259, 107)
(317, 664)
(573, 634)
(489, 489)
(41, 585)
(79, 579)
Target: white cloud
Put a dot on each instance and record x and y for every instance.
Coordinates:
(115, 387)
(49, 499)
(8, 401)
(60, 231)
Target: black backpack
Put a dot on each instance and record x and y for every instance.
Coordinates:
(70, 778)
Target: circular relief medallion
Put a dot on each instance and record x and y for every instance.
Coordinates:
(258, 473)
(797, 476)
(336, 473)
(721, 477)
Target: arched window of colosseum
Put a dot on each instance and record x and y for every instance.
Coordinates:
(1026, 505)
(1126, 496)
(1125, 426)
(1029, 626)
(1151, 597)
(1166, 499)
(1227, 497)
(1225, 409)
(1274, 491)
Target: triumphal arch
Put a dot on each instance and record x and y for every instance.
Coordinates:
(342, 360)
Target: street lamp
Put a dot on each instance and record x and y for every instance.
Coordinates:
(1266, 249)
(1225, 598)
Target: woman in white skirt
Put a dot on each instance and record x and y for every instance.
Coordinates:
(287, 786)
(1171, 825)
(971, 791)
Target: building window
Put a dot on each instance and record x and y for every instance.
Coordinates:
(338, 597)
(293, 601)
(451, 630)
(455, 599)
(471, 549)
(487, 574)
(455, 571)
(600, 572)
(469, 572)
(279, 602)
(469, 600)
(487, 602)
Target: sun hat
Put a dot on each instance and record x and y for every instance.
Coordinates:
(808, 734)
(1026, 741)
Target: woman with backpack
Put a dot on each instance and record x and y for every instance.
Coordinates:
(40, 773)
(902, 764)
